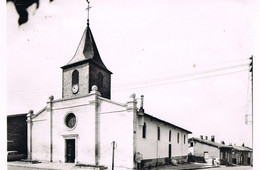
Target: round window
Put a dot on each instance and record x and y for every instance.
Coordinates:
(70, 120)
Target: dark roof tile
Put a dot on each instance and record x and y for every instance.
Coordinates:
(87, 50)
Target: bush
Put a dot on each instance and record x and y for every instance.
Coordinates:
(192, 158)
(15, 156)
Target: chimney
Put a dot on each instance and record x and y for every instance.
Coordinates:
(222, 142)
(142, 102)
(201, 137)
(212, 138)
(206, 137)
(141, 110)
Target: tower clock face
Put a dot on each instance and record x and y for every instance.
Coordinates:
(75, 88)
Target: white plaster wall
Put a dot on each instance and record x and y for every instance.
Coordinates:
(41, 137)
(181, 148)
(116, 124)
(84, 129)
(151, 148)
(200, 148)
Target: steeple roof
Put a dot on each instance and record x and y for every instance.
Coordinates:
(87, 50)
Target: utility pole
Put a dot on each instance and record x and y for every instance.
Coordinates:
(113, 153)
(252, 92)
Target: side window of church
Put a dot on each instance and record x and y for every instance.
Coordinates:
(100, 80)
(75, 77)
(144, 130)
(158, 133)
(170, 135)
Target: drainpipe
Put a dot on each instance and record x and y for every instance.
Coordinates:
(51, 128)
(29, 137)
(141, 109)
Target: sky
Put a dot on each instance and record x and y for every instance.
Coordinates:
(188, 58)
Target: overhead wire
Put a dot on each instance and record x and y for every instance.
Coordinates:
(222, 63)
(38, 93)
(172, 82)
(187, 75)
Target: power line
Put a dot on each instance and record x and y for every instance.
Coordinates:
(161, 84)
(187, 75)
(38, 93)
(222, 63)
(207, 71)
(190, 74)
(229, 62)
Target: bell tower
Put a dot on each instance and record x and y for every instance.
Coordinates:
(86, 69)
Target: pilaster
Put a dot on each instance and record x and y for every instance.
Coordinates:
(29, 137)
(96, 94)
(132, 108)
(51, 127)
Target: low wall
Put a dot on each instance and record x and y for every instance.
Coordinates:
(147, 163)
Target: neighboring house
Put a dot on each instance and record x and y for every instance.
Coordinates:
(82, 125)
(17, 135)
(227, 154)
(204, 148)
(239, 155)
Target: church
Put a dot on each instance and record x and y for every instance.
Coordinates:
(85, 125)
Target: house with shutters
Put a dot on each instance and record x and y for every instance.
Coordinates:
(81, 126)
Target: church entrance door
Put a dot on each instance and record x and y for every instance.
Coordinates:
(70, 150)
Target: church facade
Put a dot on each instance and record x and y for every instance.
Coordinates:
(82, 126)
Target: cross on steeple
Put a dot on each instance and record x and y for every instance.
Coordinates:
(88, 8)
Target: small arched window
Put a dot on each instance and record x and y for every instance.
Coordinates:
(75, 77)
(144, 130)
(100, 80)
(170, 135)
(184, 138)
(158, 133)
(178, 138)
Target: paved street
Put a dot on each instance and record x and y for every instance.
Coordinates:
(182, 167)
(201, 167)
(233, 168)
(19, 168)
(164, 168)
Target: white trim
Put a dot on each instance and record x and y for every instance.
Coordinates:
(70, 136)
(111, 101)
(69, 107)
(38, 113)
(39, 120)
